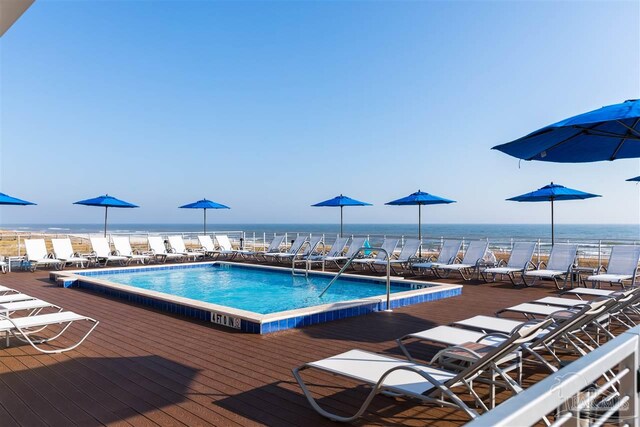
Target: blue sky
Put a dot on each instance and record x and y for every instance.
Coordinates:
(271, 106)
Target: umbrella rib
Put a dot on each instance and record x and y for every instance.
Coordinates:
(625, 138)
(557, 144)
(583, 130)
(632, 129)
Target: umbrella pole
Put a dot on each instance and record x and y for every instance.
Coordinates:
(341, 220)
(105, 220)
(552, 233)
(204, 227)
(420, 230)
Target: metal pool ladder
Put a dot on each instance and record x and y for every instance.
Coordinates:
(350, 260)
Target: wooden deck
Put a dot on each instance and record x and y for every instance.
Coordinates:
(142, 367)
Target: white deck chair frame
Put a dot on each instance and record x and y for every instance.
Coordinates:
(470, 264)
(177, 246)
(274, 247)
(356, 244)
(37, 255)
(448, 255)
(559, 265)
(63, 250)
(123, 248)
(160, 253)
(388, 244)
(226, 248)
(335, 252)
(23, 327)
(295, 247)
(396, 377)
(101, 250)
(208, 247)
(520, 260)
(406, 256)
(622, 267)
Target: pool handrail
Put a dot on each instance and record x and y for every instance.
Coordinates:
(354, 256)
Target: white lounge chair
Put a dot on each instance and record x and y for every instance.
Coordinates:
(64, 251)
(23, 327)
(519, 262)
(335, 252)
(14, 297)
(122, 246)
(5, 290)
(448, 255)
(561, 261)
(293, 249)
(396, 377)
(307, 249)
(178, 247)
(226, 248)
(102, 252)
(356, 244)
(31, 306)
(404, 259)
(274, 247)
(37, 255)
(470, 263)
(207, 246)
(156, 243)
(622, 267)
(389, 245)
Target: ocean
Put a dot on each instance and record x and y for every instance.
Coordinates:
(608, 232)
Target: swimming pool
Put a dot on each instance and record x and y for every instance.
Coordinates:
(257, 290)
(252, 298)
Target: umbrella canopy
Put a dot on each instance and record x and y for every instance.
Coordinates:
(609, 133)
(106, 201)
(636, 179)
(420, 198)
(5, 199)
(204, 204)
(550, 193)
(340, 201)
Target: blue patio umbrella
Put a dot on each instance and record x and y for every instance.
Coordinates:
(340, 201)
(204, 204)
(5, 199)
(420, 198)
(636, 179)
(107, 202)
(609, 133)
(551, 193)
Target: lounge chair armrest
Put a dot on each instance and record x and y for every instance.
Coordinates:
(455, 348)
(492, 334)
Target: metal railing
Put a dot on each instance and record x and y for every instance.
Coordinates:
(600, 387)
(590, 251)
(353, 257)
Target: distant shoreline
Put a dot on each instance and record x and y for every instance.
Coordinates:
(626, 232)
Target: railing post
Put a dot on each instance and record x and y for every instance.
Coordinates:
(599, 253)
(539, 243)
(630, 413)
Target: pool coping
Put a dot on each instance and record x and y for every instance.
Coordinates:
(248, 321)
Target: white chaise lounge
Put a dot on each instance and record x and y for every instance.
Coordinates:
(63, 251)
(37, 255)
(102, 252)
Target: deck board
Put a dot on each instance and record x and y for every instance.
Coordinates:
(142, 367)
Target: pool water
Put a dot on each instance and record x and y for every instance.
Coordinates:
(261, 291)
